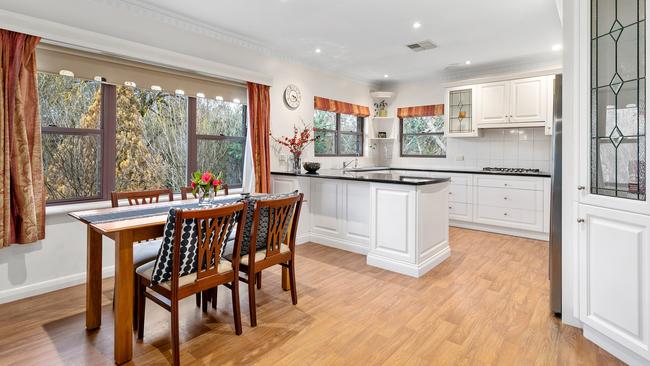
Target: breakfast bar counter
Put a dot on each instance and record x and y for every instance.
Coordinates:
(400, 221)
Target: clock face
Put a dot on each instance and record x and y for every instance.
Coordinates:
(292, 96)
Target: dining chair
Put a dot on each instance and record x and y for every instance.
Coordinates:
(190, 262)
(272, 220)
(185, 191)
(147, 250)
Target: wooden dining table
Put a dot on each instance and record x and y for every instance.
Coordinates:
(126, 226)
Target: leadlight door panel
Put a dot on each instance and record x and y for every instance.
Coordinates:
(618, 88)
(460, 111)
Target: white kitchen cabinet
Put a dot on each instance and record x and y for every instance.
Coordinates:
(528, 100)
(493, 103)
(285, 184)
(550, 90)
(460, 112)
(614, 257)
(520, 102)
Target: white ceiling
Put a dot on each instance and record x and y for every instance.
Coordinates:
(366, 38)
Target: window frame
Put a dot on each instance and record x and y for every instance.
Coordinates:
(401, 140)
(337, 134)
(194, 137)
(108, 149)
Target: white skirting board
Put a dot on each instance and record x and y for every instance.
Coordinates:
(49, 286)
(410, 269)
(500, 230)
(614, 348)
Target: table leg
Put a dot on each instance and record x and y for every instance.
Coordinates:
(123, 297)
(93, 279)
(285, 279)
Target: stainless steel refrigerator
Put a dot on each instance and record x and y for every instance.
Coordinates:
(555, 238)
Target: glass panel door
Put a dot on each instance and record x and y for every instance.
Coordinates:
(460, 111)
(618, 99)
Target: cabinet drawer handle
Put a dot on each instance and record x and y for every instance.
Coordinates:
(505, 184)
(450, 207)
(580, 221)
(505, 198)
(449, 192)
(581, 188)
(505, 214)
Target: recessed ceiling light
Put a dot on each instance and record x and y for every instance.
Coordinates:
(200, 95)
(179, 92)
(317, 50)
(66, 73)
(156, 87)
(385, 75)
(236, 101)
(556, 47)
(468, 62)
(130, 83)
(417, 25)
(219, 98)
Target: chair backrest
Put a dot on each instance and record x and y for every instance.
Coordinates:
(194, 241)
(185, 191)
(283, 215)
(140, 197)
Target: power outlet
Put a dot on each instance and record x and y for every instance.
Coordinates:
(460, 158)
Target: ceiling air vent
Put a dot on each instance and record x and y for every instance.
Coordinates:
(421, 46)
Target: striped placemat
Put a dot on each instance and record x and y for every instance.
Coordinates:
(148, 211)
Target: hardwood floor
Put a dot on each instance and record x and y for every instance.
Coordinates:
(486, 305)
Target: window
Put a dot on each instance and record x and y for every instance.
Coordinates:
(151, 140)
(221, 138)
(98, 138)
(423, 137)
(338, 134)
(72, 137)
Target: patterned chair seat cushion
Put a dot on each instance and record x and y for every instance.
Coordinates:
(145, 251)
(162, 268)
(146, 270)
(263, 221)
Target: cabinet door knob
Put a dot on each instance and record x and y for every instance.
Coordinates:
(505, 198)
(505, 184)
(505, 214)
(581, 188)
(580, 221)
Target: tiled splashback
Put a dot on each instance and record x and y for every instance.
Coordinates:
(509, 148)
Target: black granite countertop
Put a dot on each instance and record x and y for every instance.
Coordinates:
(377, 176)
(412, 176)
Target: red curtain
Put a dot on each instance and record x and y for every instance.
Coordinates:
(331, 105)
(421, 111)
(22, 192)
(259, 109)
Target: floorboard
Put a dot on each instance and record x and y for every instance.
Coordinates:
(486, 305)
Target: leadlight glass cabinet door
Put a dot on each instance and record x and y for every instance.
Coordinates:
(617, 143)
(460, 113)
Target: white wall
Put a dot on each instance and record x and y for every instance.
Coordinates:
(60, 260)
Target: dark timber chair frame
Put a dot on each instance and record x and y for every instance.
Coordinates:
(141, 197)
(279, 212)
(186, 191)
(208, 277)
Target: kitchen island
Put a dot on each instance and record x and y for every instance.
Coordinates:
(399, 220)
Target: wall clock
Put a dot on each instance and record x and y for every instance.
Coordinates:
(292, 96)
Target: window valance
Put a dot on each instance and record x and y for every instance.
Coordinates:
(421, 111)
(332, 105)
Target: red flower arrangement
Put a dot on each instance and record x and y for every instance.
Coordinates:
(300, 140)
(203, 182)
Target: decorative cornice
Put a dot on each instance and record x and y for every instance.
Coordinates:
(189, 24)
(185, 23)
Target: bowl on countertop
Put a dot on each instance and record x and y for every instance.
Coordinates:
(311, 167)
